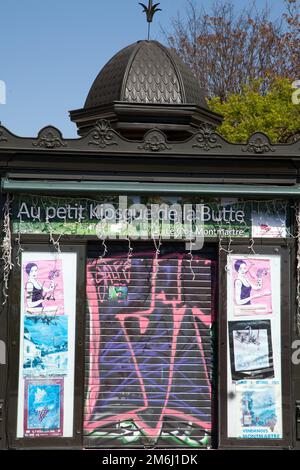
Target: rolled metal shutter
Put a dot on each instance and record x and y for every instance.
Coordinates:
(148, 350)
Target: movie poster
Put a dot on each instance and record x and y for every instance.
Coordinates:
(254, 383)
(43, 408)
(47, 344)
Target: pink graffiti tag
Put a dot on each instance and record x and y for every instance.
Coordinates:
(110, 273)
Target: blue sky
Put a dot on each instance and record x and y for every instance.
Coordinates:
(51, 51)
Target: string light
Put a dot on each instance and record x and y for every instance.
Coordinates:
(6, 247)
(20, 249)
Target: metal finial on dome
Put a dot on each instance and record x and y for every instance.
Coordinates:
(150, 11)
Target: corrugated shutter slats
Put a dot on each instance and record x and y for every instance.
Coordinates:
(148, 351)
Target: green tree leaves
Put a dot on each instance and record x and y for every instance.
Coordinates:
(253, 110)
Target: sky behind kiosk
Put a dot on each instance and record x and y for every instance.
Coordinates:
(37, 38)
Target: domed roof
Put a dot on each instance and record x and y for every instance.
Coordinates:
(145, 72)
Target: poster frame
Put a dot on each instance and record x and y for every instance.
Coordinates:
(284, 249)
(74, 442)
(264, 372)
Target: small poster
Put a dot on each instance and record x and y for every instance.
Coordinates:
(251, 353)
(269, 224)
(43, 287)
(43, 413)
(45, 346)
(118, 293)
(252, 293)
(260, 415)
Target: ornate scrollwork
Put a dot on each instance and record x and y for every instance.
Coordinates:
(155, 141)
(49, 138)
(102, 135)
(259, 143)
(207, 138)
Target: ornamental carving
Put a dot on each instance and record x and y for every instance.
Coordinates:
(2, 138)
(102, 135)
(207, 138)
(259, 143)
(155, 141)
(49, 138)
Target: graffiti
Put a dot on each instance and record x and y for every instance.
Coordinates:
(149, 358)
(109, 275)
(128, 432)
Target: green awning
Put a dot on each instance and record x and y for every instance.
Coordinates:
(122, 187)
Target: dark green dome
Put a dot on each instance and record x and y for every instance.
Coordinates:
(145, 72)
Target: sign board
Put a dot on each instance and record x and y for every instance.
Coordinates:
(148, 217)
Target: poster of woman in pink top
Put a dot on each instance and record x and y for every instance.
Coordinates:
(252, 294)
(43, 287)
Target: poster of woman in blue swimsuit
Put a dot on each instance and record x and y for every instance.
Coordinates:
(252, 286)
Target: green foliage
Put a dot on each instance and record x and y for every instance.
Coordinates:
(254, 110)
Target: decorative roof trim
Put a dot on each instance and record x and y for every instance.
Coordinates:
(103, 139)
(155, 141)
(259, 143)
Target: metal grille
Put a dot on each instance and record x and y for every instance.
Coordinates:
(148, 351)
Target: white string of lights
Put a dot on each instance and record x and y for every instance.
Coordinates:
(20, 249)
(127, 263)
(191, 259)
(6, 247)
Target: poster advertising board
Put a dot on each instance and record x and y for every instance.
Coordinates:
(47, 344)
(259, 410)
(254, 405)
(251, 351)
(43, 288)
(251, 287)
(43, 408)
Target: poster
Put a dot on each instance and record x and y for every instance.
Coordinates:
(43, 287)
(118, 293)
(254, 381)
(43, 408)
(252, 293)
(47, 344)
(269, 224)
(251, 352)
(259, 410)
